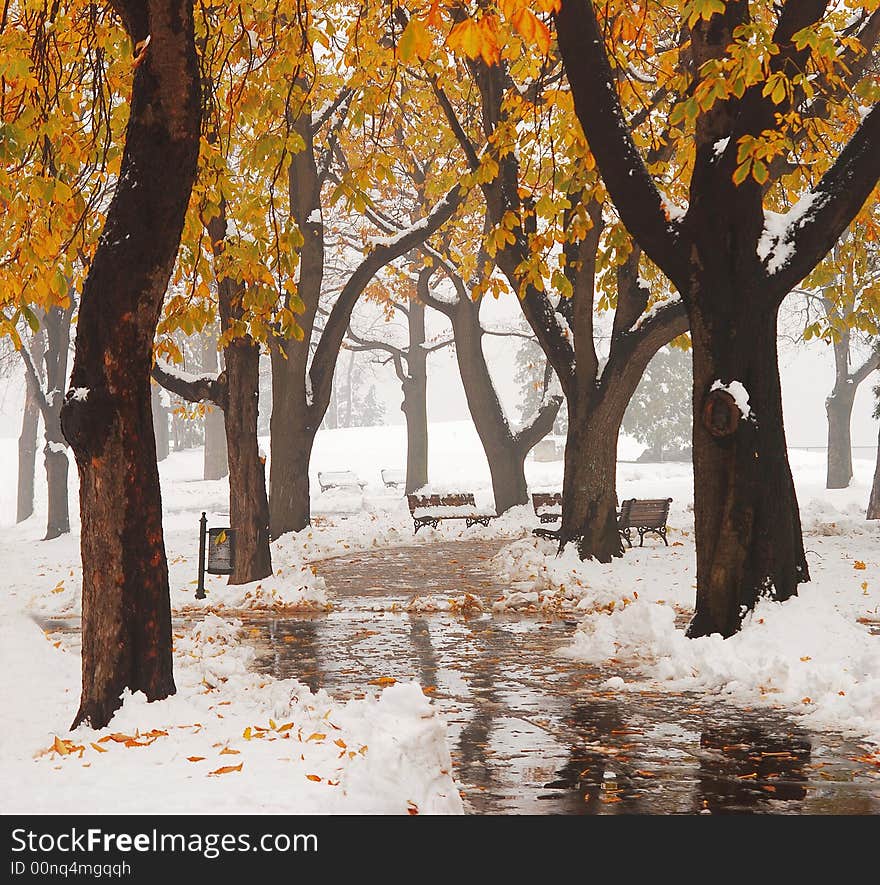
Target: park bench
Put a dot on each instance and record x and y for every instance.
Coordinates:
(393, 479)
(644, 515)
(433, 509)
(548, 508)
(339, 479)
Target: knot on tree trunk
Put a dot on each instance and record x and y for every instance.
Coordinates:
(86, 419)
(721, 414)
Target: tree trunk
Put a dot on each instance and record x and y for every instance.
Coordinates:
(126, 612)
(57, 323)
(58, 513)
(589, 486)
(160, 423)
(839, 408)
(215, 465)
(748, 527)
(248, 500)
(248, 503)
(874, 502)
(415, 401)
(506, 456)
(292, 436)
(27, 451)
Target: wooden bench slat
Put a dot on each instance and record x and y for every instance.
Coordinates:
(644, 515)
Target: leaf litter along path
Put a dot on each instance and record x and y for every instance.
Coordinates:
(531, 731)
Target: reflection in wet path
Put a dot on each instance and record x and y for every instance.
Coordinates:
(533, 732)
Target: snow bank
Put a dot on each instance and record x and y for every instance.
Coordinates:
(803, 654)
(229, 741)
(294, 585)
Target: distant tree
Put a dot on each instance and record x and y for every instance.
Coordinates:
(874, 503)
(659, 414)
(368, 411)
(533, 373)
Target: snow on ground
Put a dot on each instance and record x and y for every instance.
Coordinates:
(229, 741)
(812, 655)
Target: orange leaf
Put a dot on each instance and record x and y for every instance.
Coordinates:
(227, 752)
(383, 680)
(314, 777)
(317, 736)
(227, 769)
(99, 748)
(858, 564)
(194, 758)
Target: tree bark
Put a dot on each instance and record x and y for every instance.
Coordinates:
(589, 486)
(57, 323)
(106, 418)
(415, 400)
(160, 423)
(248, 502)
(745, 508)
(874, 501)
(838, 408)
(292, 434)
(27, 452)
(216, 464)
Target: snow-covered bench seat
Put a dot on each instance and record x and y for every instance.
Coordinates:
(432, 509)
(339, 479)
(393, 479)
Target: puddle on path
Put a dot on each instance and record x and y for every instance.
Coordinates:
(533, 732)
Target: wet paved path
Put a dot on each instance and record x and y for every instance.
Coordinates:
(531, 731)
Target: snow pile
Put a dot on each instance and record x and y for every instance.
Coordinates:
(819, 516)
(238, 741)
(803, 654)
(535, 577)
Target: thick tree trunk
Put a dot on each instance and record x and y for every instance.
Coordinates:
(748, 527)
(292, 436)
(504, 452)
(874, 502)
(589, 487)
(415, 400)
(126, 613)
(27, 451)
(839, 408)
(215, 465)
(160, 423)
